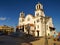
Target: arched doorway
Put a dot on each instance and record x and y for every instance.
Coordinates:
(37, 33)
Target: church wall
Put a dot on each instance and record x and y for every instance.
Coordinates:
(38, 26)
(29, 20)
(37, 13)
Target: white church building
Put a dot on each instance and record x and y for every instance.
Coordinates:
(37, 24)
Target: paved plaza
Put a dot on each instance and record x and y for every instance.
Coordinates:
(8, 40)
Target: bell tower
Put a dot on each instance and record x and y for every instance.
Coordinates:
(39, 10)
(39, 6)
(22, 15)
(21, 18)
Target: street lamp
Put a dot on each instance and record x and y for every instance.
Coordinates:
(46, 40)
(45, 21)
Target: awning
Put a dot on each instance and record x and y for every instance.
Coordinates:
(52, 28)
(30, 25)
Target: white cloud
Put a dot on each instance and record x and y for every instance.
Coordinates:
(2, 18)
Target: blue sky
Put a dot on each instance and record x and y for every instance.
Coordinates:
(10, 9)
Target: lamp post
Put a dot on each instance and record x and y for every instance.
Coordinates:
(45, 22)
(46, 40)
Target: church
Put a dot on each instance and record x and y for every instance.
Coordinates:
(37, 25)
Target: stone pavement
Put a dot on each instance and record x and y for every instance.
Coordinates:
(42, 42)
(8, 40)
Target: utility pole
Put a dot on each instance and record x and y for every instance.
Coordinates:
(46, 40)
(45, 21)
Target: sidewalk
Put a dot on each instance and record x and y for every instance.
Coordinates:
(42, 42)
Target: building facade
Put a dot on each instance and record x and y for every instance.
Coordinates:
(6, 29)
(37, 24)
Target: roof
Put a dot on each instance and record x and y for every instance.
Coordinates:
(30, 15)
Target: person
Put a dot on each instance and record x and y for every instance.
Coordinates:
(54, 36)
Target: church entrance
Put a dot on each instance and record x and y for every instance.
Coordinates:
(37, 33)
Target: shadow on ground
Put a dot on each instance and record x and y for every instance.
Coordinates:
(17, 40)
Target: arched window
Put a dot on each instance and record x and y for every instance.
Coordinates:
(39, 6)
(38, 20)
(37, 14)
